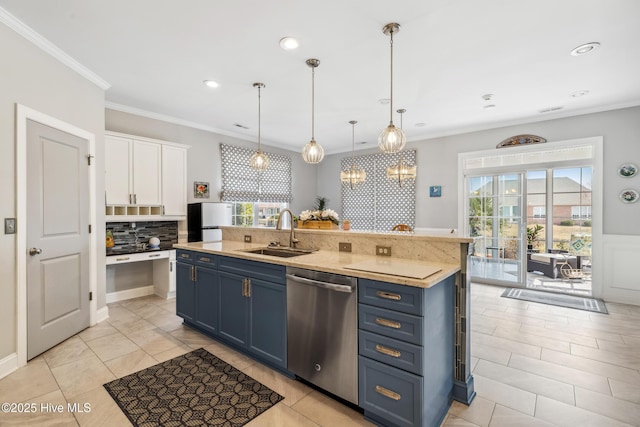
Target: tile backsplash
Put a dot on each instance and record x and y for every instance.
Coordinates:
(130, 233)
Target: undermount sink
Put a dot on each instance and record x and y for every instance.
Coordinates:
(279, 252)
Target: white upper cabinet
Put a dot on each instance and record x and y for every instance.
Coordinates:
(174, 180)
(144, 178)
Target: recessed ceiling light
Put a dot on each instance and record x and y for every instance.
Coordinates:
(579, 93)
(238, 125)
(486, 107)
(384, 101)
(211, 83)
(362, 142)
(585, 48)
(487, 97)
(419, 125)
(288, 43)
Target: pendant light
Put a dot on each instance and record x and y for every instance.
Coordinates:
(391, 139)
(400, 171)
(313, 153)
(354, 175)
(259, 161)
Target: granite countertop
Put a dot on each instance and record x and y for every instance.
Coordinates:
(127, 250)
(330, 261)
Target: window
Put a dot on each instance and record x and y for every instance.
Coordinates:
(581, 212)
(379, 203)
(257, 197)
(539, 212)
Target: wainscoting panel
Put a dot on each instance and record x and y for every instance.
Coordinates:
(621, 279)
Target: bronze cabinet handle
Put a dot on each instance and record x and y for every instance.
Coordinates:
(388, 351)
(388, 323)
(185, 256)
(388, 295)
(205, 259)
(388, 393)
(122, 259)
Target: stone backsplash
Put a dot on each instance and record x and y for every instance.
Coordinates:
(124, 235)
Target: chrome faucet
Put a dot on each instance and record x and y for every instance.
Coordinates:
(292, 236)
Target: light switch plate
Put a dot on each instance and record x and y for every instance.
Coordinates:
(9, 226)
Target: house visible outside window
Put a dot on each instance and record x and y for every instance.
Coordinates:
(539, 212)
(581, 212)
(257, 197)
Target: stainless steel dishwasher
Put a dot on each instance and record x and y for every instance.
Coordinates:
(322, 325)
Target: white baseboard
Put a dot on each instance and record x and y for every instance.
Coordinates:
(167, 295)
(8, 364)
(102, 314)
(130, 293)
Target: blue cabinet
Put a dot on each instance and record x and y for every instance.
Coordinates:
(253, 308)
(197, 290)
(405, 345)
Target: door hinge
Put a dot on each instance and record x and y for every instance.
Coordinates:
(89, 228)
(90, 296)
(89, 157)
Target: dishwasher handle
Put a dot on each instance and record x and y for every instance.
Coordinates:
(319, 284)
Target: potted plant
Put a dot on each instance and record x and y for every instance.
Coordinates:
(532, 234)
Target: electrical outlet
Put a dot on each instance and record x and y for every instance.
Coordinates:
(344, 247)
(383, 250)
(247, 238)
(9, 226)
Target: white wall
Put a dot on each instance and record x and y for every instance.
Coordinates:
(438, 157)
(33, 78)
(203, 158)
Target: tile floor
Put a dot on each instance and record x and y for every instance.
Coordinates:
(534, 365)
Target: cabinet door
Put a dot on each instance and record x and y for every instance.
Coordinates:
(185, 292)
(174, 180)
(117, 170)
(147, 172)
(206, 299)
(234, 309)
(268, 321)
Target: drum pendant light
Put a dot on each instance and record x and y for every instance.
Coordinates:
(313, 153)
(391, 139)
(259, 161)
(354, 175)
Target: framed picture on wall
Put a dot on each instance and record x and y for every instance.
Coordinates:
(200, 190)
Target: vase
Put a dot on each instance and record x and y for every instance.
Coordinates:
(317, 225)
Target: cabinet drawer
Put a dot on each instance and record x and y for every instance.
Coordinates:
(259, 270)
(205, 260)
(401, 326)
(389, 393)
(185, 256)
(388, 295)
(392, 352)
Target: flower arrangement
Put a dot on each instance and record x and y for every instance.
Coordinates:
(320, 215)
(320, 212)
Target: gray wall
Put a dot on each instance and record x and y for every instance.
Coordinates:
(33, 78)
(203, 162)
(438, 165)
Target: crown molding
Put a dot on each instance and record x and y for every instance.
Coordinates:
(187, 123)
(28, 33)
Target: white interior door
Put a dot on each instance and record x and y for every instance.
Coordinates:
(58, 239)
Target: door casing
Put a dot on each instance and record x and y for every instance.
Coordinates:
(24, 113)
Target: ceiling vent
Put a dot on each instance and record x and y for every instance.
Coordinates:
(550, 109)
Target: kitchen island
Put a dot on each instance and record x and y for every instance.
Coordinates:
(413, 350)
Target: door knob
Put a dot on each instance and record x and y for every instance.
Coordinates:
(35, 251)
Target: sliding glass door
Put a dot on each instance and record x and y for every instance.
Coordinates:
(495, 222)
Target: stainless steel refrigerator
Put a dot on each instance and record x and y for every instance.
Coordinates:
(204, 220)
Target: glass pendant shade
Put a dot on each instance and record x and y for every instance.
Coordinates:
(259, 161)
(401, 172)
(392, 139)
(313, 153)
(354, 175)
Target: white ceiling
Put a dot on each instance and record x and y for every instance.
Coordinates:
(155, 54)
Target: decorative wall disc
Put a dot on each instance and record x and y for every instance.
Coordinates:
(629, 196)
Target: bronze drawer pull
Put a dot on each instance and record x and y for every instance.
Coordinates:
(154, 255)
(388, 295)
(388, 323)
(205, 259)
(123, 259)
(388, 393)
(388, 351)
(185, 256)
